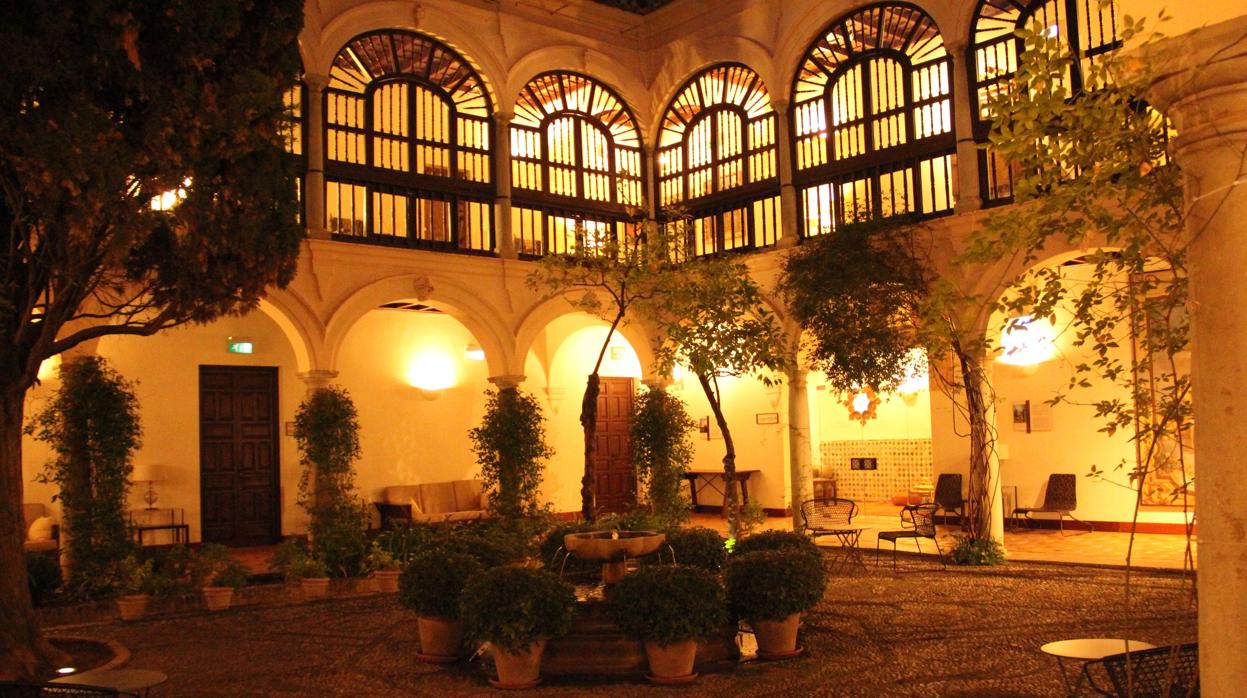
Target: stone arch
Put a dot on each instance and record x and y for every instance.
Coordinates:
(440, 292)
(546, 311)
(302, 329)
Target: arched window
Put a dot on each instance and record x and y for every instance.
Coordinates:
(716, 160)
(407, 145)
(575, 163)
(1087, 26)
(292, 134)
(872, 120)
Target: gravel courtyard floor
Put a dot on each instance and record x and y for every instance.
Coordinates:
(920, 632)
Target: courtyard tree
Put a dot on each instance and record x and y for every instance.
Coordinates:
(108, 104)
(511, 449)
(326, 428)
(867, 295)
(662, 448)
(1093, 173)
(613, 276)
(714, 321)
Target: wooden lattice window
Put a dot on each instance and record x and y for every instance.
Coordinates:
(1087, 27)
(872, 120)
(717, 160)
(408, 145)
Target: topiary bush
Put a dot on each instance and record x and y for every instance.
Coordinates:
(976, 551)
(513, 607)
(774, 584)
(668, 603)
(698, 547)
(662, 449)
(326, 428)
(92, 426)
(773, 540)
(511, 449)
(434, 581)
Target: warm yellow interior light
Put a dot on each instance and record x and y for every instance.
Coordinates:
(47, 368)
(431, 370)
(1026, 341)
(473, 353)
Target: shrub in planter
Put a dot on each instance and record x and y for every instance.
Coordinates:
(432, 586)
(976, 551)
(662, 449)
(773, 540)
(770, 588)
(669, 608)
(511, 449)
(516, 609)
(297, 564)
(219, 591)
(137, 582)
(699, 547)
(385, 569)
(405, 542)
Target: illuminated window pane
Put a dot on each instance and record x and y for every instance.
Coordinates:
(346, 209)
(292, 129)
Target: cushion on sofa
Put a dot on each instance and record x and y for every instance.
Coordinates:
(41, 529)
(467, 495)
(400, 494)
(32, 511)
(438, 497)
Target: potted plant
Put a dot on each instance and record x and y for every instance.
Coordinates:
(218, 574)
(431, 586)
(385, 569)
(669, 608)
(770, 589)
(515, 610)
(297, 564)
(699, 547)
(136, 581)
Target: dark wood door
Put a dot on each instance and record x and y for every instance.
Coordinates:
(238, 455)
(614, 477)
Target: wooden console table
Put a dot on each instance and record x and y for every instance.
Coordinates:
(172, 520)
(708, 480)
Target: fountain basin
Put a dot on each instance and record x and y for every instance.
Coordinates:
(612, 549)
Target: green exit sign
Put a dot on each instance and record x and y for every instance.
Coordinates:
(240, 346)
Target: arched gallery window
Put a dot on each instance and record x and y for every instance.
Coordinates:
(292, 134)
(1086, 26)
(872, 120)
(575, 163)
(407, 145)
(717, 160)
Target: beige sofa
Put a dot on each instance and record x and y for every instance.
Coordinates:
(30, 512)
(432, 503)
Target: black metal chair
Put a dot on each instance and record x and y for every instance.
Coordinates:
(948, 495)
(821, 516)
(922, 517)
(1163, 672)
(1060, 497)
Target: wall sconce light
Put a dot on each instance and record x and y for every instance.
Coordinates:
(473, 352)
(1026, 341)
(430, 373)
(862, 405)
(48, 367)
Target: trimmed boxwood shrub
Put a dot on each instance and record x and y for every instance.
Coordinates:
(513, 607)
(434, 581)
(774, 584)
(699, 547)
(668, 603)
(773, 540)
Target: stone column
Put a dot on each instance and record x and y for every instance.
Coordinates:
(968, 196)
(504, 237)
(314, 142)
(1204, 90)
(511, 380)
(800, 470)
(789, 221)
(317, 379)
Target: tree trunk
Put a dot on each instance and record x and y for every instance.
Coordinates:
(589, 422)
(981, 495)
(730, 499)
(24, 653)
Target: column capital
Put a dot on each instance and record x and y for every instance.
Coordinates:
(503, 118)
(657, 382)
(318, 378)
(511, 380)
(315, 82)
(780, 105)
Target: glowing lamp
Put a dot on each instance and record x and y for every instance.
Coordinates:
(473, 353)
(47, 367)
(1026, 341)
(862, 405)
(431, 372)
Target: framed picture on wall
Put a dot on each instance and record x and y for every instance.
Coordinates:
(1022, 416)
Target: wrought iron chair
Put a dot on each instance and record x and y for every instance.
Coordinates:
(1061, 498)
(923, 518)
(1171, 672)
(821, 516)
(948, 495)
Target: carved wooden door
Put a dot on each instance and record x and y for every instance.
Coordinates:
(614, 476)
(238, 455)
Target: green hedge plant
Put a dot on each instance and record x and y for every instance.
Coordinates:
(668, 603)
(698, 547)
(434, 581)
(511, 449)
(774, 540)
(977, 551)
(774, 584)
(513, 607)
(662, 449)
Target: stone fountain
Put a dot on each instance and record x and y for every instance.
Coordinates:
(612, 549)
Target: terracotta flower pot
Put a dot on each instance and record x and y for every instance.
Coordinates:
(441, 640)
(218, 598)
(314, 587)
(673, 663)
(777, 639)
(133, 606)
(519, 670)
(386, 581)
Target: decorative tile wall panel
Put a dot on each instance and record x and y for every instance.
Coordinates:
(901, 464)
